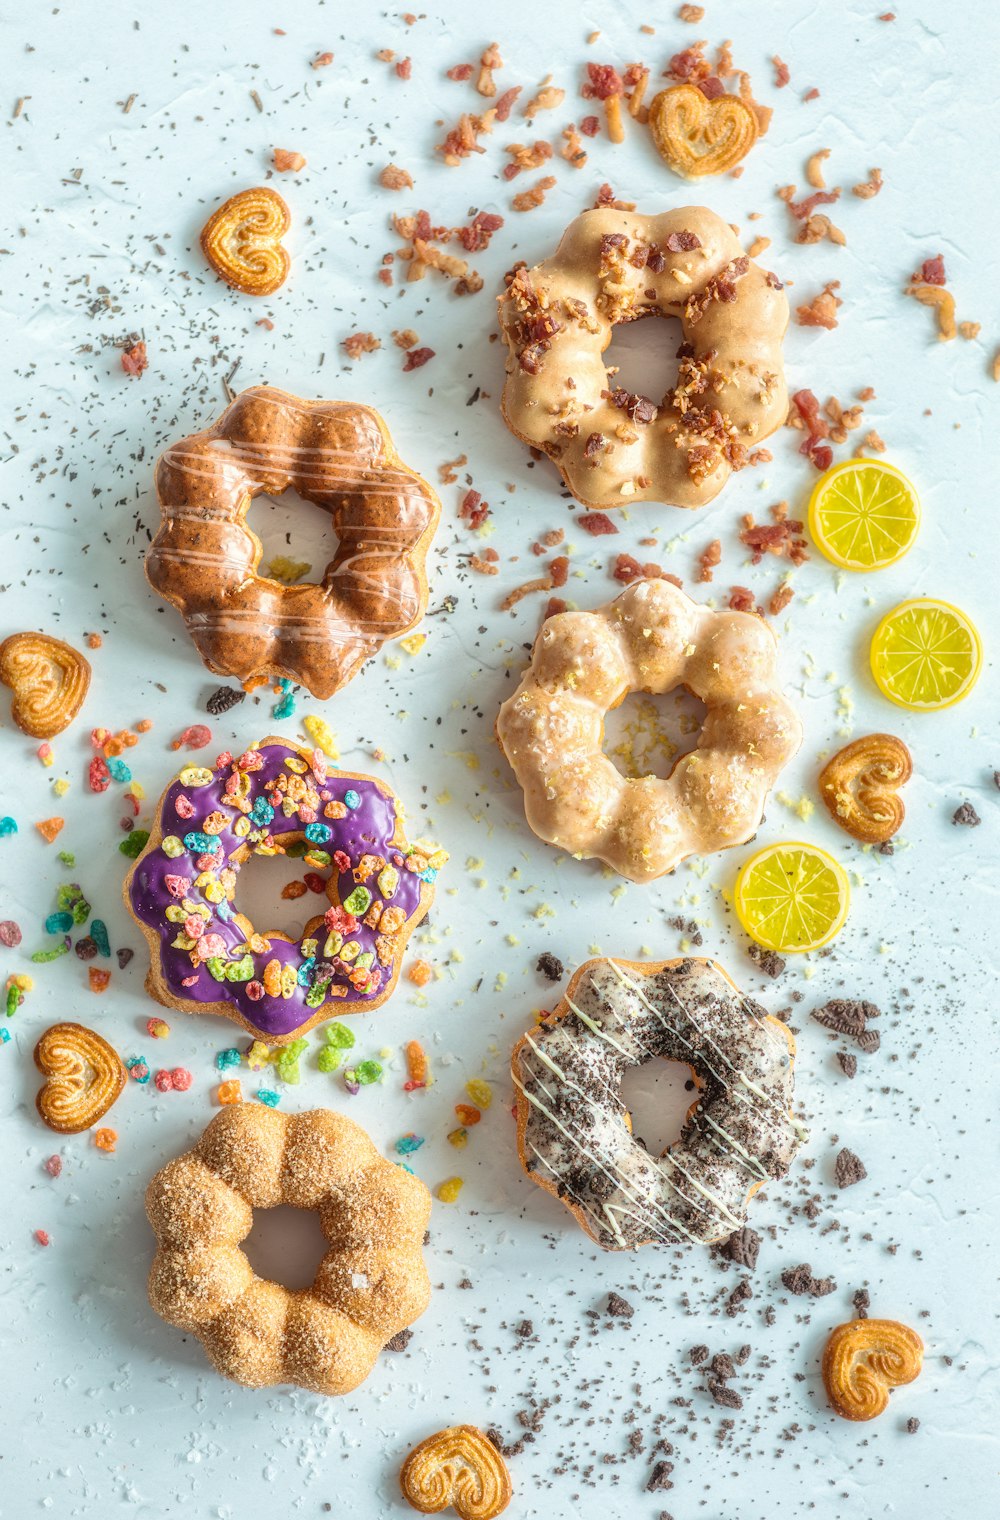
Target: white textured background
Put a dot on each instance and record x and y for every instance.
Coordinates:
(106, 1410)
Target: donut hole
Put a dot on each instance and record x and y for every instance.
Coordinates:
(286, 1245)
(646, 735)
(658, 1096)
(258, 895)
(292, 528)
(645, 355)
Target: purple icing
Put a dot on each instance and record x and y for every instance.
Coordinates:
(367, 828)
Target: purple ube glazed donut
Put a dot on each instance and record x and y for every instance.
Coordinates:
(205, 955)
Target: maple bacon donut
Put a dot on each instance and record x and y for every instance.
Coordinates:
(653, 638)
(613, 447)
(204, 559)
(574, 1131)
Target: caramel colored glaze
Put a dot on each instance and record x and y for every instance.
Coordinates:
(48, 679)
(864, 1360)
(371, 1283)
(457, 1468)
(558, 318)
(84, 1077)
(653, 638)
(204, 559)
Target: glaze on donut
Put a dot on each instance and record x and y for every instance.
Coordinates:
(613, 448)
(652, 638)
(205, 956)
(574, 1131)
(204, 558)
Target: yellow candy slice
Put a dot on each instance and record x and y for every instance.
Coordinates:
(791, 897)
(864, 514)
(925, 655)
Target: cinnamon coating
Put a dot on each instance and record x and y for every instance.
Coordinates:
(864, 1360)
(458, 1468)
(84, 1077)
(371, 1283)
(49, 681)
(242, 241)
(205, 558)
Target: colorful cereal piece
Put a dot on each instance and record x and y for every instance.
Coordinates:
(467, 1114)
(98, 979)
(417, 1070)
(54, 1166)
(420, 973)
(157, 1029)
(407, 1144)
(458, 1138)
(449, 1190)
(49, 828)
(230, 1092)
(134, 843)
(8, 826)
(137, 1070)
(99, 934)
(367, 1072)
(268, 1096)
(480, 1092)
(226, 1060)
(105, 1139)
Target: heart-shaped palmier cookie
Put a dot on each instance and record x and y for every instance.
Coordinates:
(459, 1467)
(242, 241)
(860, 786)
(864, 1360)
(697, 136)
(49, 680)
(84, 1077)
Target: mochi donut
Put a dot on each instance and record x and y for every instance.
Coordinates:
(574, 1131)
(371, 1283)
(612, 447)
(276, 798)
(653, 638)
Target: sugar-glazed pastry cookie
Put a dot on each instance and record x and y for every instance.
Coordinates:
(371, 1283)
(204, 559)
(574, 1130)
(206, 956)
(613, 447)
(652, 638)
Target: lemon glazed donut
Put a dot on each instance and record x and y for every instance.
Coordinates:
(653, 638)
(610, 446)
(574, 1132)
(371, 1283)
(204, 559)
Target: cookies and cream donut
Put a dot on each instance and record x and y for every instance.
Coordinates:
(204, 558)
(206, 956)
(653, 638)
(371, 1283)
(573, 1127)
(612, 447)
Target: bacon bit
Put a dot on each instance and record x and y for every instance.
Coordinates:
(543, 583)
(606, 197)
(385, 55)
(708, 559)
(385, 276)
(559, 570)
(404, 68)
(783, 538)
(814, 168)
(462, 140)
(802, 209)
(473, 510)
(628, 569)
(548, 97)
(682, 242)
(476, 236)
(603, 81)
(944, 303)
(868, 394)
(871, 440)
(405, 337)
(781, 72)
(869, 187)
(691, 13)
(482, 565)
(815, 228)
(505, 103)
(488, 62)
(689, 66)
(931, 272)
(813, 447)
(636, 76)
(135, 360)
(758, 246)
(287, 163)
(460, 73)
(553, 607)
(598, 524)
(529, 199)
(995, 366)
(395, 178)
(525, 157)
(447, 471)
(812, 94)
(360, 343)
(590, 126)
(821, 311)
(322, 61)
(572, 149)
(780, 599)
(887, 16)
(416, 359)
(265, 322)
(741, 600)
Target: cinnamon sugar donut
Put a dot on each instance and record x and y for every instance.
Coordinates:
(652, 638)
(574, 1131)
(371, 1283)
(204, 559)
(610, 446)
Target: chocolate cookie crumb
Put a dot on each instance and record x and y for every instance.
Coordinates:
(399, 1341)
(697, 1354)
(768, 961)
(966, 815)
(727, 1397)
(846, 1016)
(738, 1297)
(124, 956)
(524, 1330)
(912, 1425)
(618, 1307)
(848, 1169)
(848, 1063)
(862, 1303)
(869, 1040)
(659, 1479)
(722, 1366)
(801, 1281)
(550, 966)
(223, 699)
(743, 1247)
